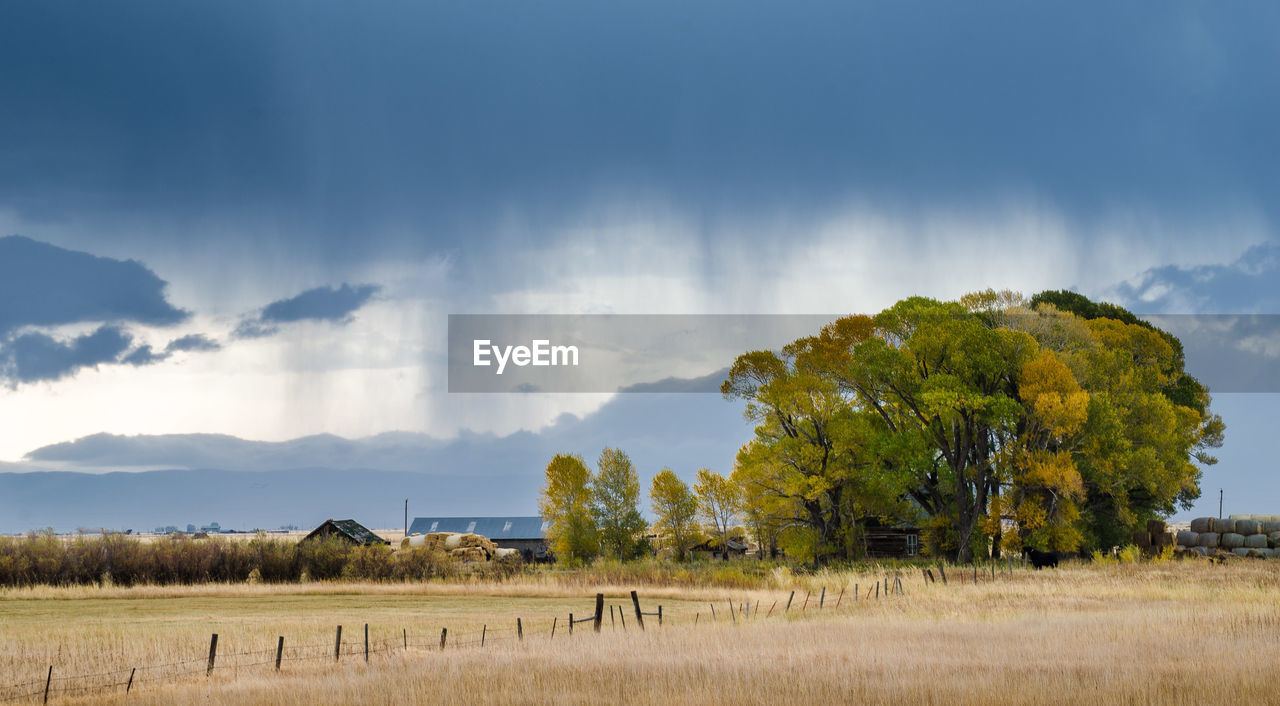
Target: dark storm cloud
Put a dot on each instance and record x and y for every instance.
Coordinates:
(44, 285)
(332, 304)
(337, 118)
(193, 342)
(1250, 285)
(319, 304)
(34, 357)
(145, 355)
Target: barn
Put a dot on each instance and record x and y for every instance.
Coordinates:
(527, 534)
(346, 530)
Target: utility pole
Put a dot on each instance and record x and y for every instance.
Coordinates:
(406, 517)
(1219, 503)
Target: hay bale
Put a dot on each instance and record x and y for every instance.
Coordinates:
(1164, 539)
(1155, 527)
(1231, 540)
(1255, 541)
(1142, 539)
(1202, 524)
(1208, 539)
(1269, 526)
(1262, 553)
(1224, 526)
(1247, 527)
(1239, 517)
(453, 541)
(1273, 540)
(1187, 538)
(1240, 551)
(1202, 551)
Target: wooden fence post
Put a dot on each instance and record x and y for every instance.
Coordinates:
(877, 589)
(553, 625)
(622, 617)
(613, 623)
(519, 629)
(129, 686)
(823, 598)
(444, 632)
(337, 644)
(279, 651)
(942, 571)
(841, 596)
(484, 631)
(366, 642)
(599, 611)
(855, 593)
(775, 605)
(47, 681)
(659, 615)
(635, 600)
(713, 611)
(213, 653)
(789, 599)
(731, 613)
(571, 623)
(806, 601)
(405, 634)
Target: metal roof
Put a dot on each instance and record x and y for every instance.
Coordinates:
(356, 531)
(491, 527)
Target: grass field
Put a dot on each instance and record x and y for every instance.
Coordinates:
(1169, 632)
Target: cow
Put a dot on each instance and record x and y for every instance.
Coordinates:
(1041, 559)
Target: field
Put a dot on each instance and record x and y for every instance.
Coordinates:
(1164, 632)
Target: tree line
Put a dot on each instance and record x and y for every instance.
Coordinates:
(592, 514)
(992, 423)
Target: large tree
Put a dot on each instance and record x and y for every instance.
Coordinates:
(980, 415)
(617, 505)
(676, 509)
(566, 505)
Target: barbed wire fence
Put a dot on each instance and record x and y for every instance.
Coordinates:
(53, 684)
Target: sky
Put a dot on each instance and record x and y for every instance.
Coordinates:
(254, 218)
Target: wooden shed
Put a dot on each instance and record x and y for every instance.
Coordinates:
(892, 542)
(346, 530)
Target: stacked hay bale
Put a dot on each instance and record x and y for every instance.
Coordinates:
(1154, 538)
(461, 546)
(1256, 536)
(471, 547)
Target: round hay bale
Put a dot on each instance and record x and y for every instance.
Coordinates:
(1273, 539)
(1232, 540)
(1202, 551)
(1247, 527)
(1241, 551)
(1224, 526)
(1255, 541)
(1258, 553)
(1208, 539)
(1187, 538)
(452, 542)
(1142, 539)
(1155, 527)
(1267, 527)
(1237, 517)
(1202, 524)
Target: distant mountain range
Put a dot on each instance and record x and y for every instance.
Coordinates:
(244, 484)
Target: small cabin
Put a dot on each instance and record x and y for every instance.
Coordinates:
(892, 542)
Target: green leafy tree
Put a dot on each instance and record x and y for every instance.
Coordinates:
(566, 505)
(718, 500)
(617, 505)
(676, 509)
(975, 415)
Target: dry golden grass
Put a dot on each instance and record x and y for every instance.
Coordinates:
(1154, 633)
